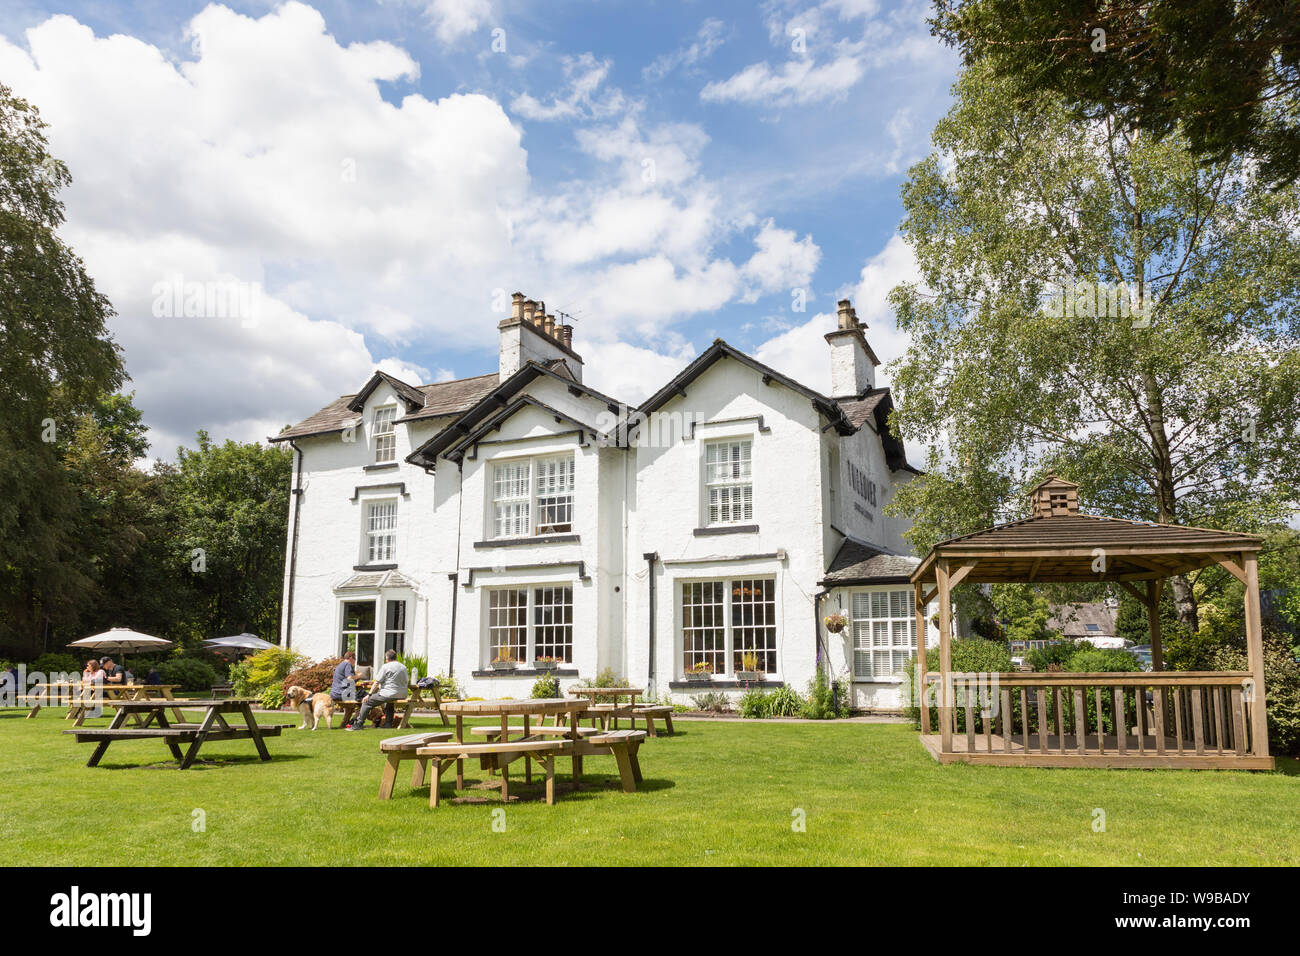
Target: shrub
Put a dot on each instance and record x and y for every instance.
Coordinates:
(192, 673)
(755, 704)
(824, 700)
(714, 702)
(969, 655)
(451, 689)
(548, 685)
(264, 669)
(785, 701)
(273, 698)
(60, 663)
(1281, 689)
(316, 678)
(1099, 660)
(415, 665)
(1043, 658)
(606, 678)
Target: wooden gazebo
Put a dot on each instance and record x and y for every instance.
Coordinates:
(1206, 719)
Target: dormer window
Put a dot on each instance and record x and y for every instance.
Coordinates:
(385, 434)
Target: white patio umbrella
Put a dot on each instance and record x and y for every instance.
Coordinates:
(245, 641)
(122, 639)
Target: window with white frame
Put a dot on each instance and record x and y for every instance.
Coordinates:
(532, 496)
(884, 633)
(728, 482)
(385, 434)
(395, 626)
(526, 624)
(729, 626)
(381, 532)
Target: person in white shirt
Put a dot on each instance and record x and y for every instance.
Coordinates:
(391, 683)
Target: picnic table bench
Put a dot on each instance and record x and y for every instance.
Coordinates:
(542, 744)
(413, 700)
(82, 698)
(154, 724)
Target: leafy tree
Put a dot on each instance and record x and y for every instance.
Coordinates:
(56, 360)
(1226, 74)
(1182, 413)
(230, 505)
(1024, 611)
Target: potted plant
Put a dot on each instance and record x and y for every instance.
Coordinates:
(700, 673)
(835, 623)
(749, 667)
(546, 663)
(505, 661)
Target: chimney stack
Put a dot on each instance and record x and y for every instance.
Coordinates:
(546, 341)
(853, 363)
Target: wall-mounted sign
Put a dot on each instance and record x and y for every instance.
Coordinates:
(864, 486)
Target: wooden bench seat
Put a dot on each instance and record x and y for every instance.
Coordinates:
(619, 736)
(650, 711)
(412, 742)
(535, 731)
(186, 732)
(397, 749)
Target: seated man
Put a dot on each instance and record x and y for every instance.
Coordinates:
(343, 684)
(390, 685)
(112, 673)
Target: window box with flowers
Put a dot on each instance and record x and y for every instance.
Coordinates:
(701, 673)
(749, 669)
(506, 662)
(546, 663)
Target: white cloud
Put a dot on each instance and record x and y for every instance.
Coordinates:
(584, 76)
(707, 39)
(783, 262)
(372, 226)
(453, 19)
(796, 81)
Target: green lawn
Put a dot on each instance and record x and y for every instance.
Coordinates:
(717, 793)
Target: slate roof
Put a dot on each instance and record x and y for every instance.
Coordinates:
(1072, 620)
(859, 563)
(440, 398)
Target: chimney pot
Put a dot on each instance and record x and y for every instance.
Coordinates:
(845, 314)
(539, 316)
(529, 307)
(566, 336)
(517, 305)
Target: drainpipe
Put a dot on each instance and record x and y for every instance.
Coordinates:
(455, 593)
(823, 653)
(293, 547)
(651, 557)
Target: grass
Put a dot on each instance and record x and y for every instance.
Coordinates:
(717, 793)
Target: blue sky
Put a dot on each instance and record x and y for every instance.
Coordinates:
(378, 173)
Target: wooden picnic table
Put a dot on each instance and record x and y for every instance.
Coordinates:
(414, 698)
(530, 742)
(213, 726)
(605, 704)
(83, 697)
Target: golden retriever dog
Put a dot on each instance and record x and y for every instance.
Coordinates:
(313, 707)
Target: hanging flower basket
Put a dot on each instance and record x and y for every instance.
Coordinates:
(835, 623)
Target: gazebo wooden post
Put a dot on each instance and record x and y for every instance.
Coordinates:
(921, 667)
(945, 657)
(1153, 625)
(1255, 655)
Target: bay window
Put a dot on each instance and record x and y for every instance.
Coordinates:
(884, 633)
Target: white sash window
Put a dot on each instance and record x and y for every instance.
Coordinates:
(381, 532)
(525, 624)
(532, 496)
(884, 634)
(728, 482)
(385, 434)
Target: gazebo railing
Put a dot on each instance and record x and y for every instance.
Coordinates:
(1095, 715)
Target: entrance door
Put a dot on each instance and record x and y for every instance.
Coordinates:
(359, 631)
